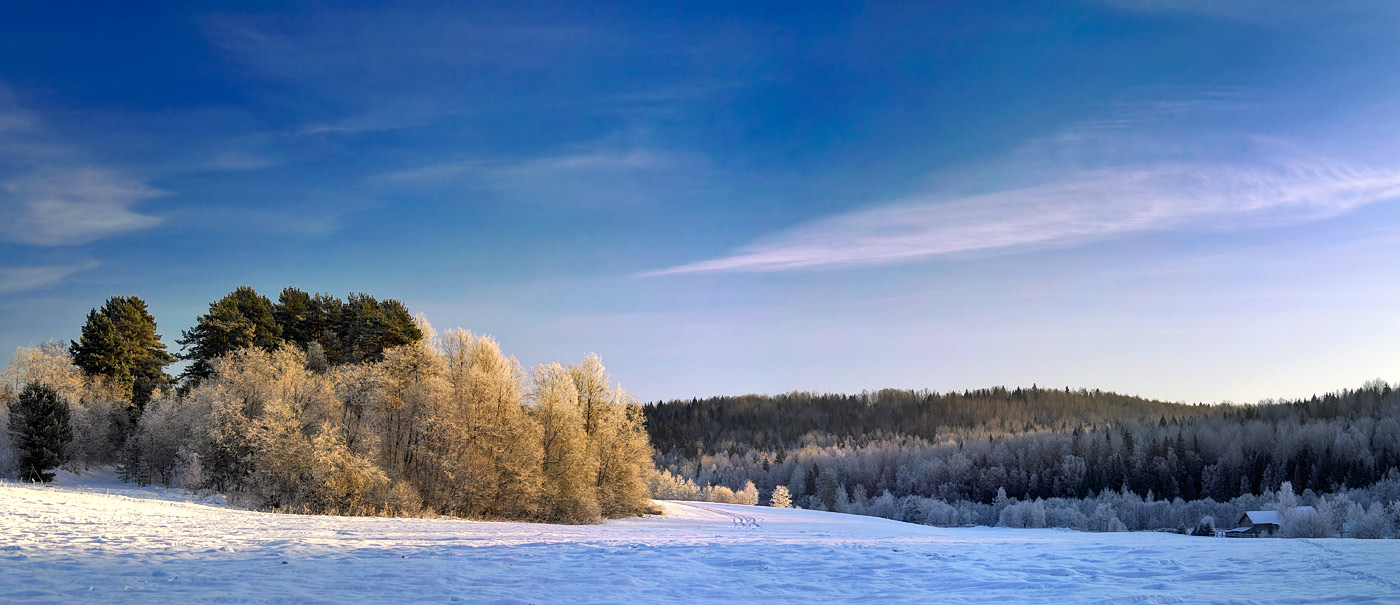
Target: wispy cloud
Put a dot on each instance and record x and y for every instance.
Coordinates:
(1082, 208)
(23, 279)
(51, 196)
(591, 176)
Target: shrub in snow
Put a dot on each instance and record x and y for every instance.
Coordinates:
(1334, 510)
(1023, 514)
(402, 500)
(1105, 519)
(885, 505)
(719, 494)
(1060, 514)
(1204, 527)
(189, 470)
(938, 512)
(780, 498)
(665, 486)
(843, 500)
(1305, 523)
(1367, 523)
(748, 495)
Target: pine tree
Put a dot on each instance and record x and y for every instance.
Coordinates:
(368, 327)
(120, 342)
(40, 431)
(241, 319)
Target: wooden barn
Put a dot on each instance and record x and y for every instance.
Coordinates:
(1260, 523)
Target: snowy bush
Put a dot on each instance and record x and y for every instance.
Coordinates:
(402, 500)
(1204, 527)
(1105, 519)
(665, 486)
(1023, 514)
(719, 494)
(937, 512)
(1305, 523)
(780, 498)
(748, 495)
(1060, 513)
(189, 470)
(885, 505)
(1369, 523)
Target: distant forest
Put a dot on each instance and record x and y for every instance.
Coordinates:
(987, 449)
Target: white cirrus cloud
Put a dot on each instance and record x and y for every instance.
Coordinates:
(591, 177)
(1085, 207)
(23, 279)
(51, 196)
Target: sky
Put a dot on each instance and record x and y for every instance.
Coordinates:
(1186, 200)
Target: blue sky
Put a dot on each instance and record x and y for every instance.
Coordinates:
(1188, 200)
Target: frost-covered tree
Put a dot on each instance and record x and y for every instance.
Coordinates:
(1368, 523)
(483, 441)
(748, 495)
(622, 454)
(665, 486)
(781, 498)
(1305, 523)
(568, 492)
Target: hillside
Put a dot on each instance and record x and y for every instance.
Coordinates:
(81, 544)
(915, 455)
(712, 424)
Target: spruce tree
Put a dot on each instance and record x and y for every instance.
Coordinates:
(40, 431)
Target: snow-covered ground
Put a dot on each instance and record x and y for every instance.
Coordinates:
(99, 540)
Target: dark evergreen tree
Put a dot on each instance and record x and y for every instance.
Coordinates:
(296, 313)
(40, 431)
(241, 319)
(99, 350)
(368, 327)
(352, 331)
(119, 341)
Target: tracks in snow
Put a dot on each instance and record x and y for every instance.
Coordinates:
(739, 521)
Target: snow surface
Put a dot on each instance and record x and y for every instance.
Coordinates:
(101, 540)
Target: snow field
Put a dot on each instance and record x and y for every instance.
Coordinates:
(107, 542)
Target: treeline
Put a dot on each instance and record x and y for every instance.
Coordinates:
(316, 405)
(778, 422)
(1037, 445)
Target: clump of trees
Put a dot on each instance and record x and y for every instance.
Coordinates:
(333, 331)
(446, 425)
(313, 404)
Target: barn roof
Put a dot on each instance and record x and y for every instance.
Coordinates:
(1257, 517)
